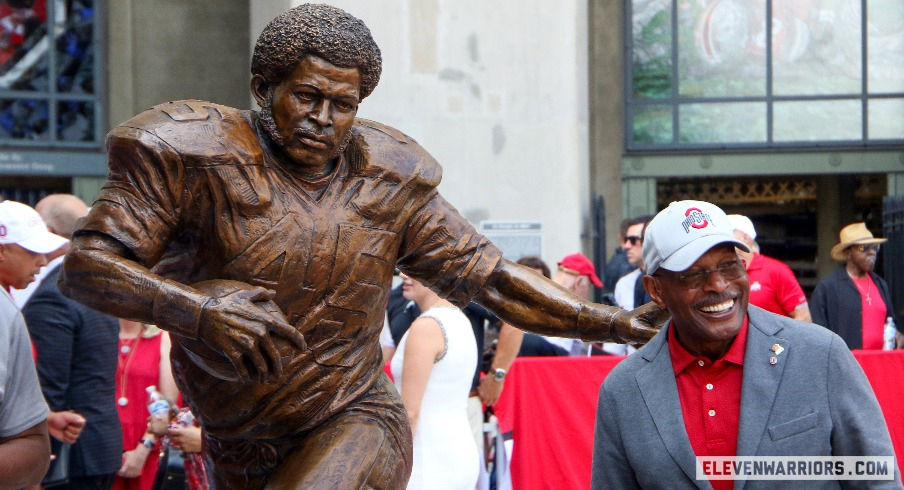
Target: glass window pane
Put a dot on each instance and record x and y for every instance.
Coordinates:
(886, 119)
(816, 48)
(720, 48)
(743, 122)
(885, 46)
(75, 121)
(653, 125)
(651, 30)
(75, 50)
(23, 45)
(24, 119)
(824, 120)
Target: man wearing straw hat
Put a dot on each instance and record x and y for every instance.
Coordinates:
(854, 301)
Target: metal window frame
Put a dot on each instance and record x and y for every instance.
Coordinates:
(674, 100)
(54, 97)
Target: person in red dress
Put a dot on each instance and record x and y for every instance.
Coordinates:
(143, 361)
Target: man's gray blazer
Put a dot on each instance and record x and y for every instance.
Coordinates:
(814, 401)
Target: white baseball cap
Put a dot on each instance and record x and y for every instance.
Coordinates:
(22, 225)
(684, 231)
(742, 223)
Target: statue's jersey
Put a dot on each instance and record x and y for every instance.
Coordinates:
(196, 192)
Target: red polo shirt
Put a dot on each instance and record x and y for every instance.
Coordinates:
(773, 286)
(710, 395)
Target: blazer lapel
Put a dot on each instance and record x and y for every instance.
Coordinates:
(760, 381)
(660, 393)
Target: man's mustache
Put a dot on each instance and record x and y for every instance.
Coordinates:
(714, 300)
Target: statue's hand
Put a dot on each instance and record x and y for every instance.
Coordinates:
(640, 324)
(243, 332)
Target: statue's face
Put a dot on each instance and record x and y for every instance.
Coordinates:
(313, 109)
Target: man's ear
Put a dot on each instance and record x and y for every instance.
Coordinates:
(654, 288)
(581, 286)
(259, 89)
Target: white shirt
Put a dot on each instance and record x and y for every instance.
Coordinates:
(624, 298)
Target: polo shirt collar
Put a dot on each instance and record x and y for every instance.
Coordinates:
(681, 358)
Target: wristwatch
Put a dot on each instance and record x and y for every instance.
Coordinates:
(499, 374)
(148, 443)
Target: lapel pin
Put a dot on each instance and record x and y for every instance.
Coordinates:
(777, 349)
(773, 360)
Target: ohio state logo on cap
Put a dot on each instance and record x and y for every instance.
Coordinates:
(696, 219)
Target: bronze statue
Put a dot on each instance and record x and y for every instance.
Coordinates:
(305, 209)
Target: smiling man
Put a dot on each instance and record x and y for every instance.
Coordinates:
(725, 379)
(266, 243)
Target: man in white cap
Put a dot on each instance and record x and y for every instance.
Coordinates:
(24, 442)
(724, 379)
(854, 301)
(67, 337)
(773, 286)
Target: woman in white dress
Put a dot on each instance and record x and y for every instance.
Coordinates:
(433, 367)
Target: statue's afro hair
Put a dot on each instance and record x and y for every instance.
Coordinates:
(320, 30)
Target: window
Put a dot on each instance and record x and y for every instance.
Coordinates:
(49, 96)
(712, 74)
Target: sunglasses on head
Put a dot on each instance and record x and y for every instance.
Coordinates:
(866, 248)
(634, 239)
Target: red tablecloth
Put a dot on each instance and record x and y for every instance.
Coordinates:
(550, 405)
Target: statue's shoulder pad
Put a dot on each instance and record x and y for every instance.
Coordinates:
(395, 151)
(182, 113)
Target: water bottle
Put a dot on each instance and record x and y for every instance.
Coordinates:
(157, 404)
(889, 334)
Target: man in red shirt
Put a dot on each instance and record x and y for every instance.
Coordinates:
(773, 286)
(725, 379)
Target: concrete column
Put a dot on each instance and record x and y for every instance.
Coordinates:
(834, 195)
(896, 184)
(828, 222)
(606, 122)
(638, 197)
(87, 188)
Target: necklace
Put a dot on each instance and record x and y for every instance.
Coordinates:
(869, 286)
(127, 351)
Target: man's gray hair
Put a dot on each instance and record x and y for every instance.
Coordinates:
(320, 30)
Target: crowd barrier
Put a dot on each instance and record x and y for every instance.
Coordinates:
(549, 404)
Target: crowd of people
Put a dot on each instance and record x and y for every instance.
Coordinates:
(93, 370)
(854, 303)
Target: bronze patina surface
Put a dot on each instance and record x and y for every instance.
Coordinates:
(265, 242)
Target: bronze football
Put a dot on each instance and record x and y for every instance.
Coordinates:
(214, 362)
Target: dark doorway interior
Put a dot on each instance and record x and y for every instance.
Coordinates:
(784, 211)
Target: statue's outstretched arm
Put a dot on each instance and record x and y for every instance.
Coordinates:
(532, 302)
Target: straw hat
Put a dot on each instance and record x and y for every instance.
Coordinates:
(854, 234)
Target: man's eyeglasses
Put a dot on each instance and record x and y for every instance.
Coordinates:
(634, 239)
(693, 279)
(866, 248)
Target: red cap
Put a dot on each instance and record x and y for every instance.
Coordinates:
(582, 265)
